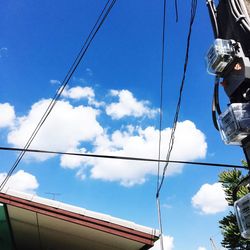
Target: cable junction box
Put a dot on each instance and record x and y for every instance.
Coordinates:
(234, 123)
(242, 210)
(220, 56)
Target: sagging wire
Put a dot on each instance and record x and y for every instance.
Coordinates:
(213, 17)
(215, 103)
(102, 17)
(172, 136)
(160, 119)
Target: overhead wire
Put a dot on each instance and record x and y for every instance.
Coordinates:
(172, 136)
(129, 158)
(176, 11)
(171, 142)
(100, 20)
(160, 117)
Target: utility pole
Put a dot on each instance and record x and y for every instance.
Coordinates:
(229, 60)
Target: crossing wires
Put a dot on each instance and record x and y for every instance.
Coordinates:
(99, 22)
(178, 106)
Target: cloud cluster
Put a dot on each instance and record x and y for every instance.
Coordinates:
(168, 243)
(7, 115)
(65, 128)
(210, 199)
(190, 144)
(21, 181)
(76, 128)
(78, 92)
(127, 105)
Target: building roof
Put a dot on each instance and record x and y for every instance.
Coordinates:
(39, 223)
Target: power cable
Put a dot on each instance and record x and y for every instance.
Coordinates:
(172, 137)
(213, 17)
(176, 11)
(240, 14)
(102, 17)
(160, 118)
(129, 158)
(215, 103)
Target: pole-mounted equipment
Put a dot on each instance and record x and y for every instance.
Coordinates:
(229, 60)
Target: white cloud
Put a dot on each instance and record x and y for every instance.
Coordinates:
(79, 92)
(7, 115)
(72, 162)
(76, 129)
(55, 82)
(128, 106)
(137, 142)
(210, 199)
(66, 127)
(21, 181)
(168, 243)
(202, 248)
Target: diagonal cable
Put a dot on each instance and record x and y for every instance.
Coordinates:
(102, 17)
(172, 136)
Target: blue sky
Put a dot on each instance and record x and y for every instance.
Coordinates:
(111, 106)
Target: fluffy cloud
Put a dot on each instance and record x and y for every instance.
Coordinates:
(201, 248)
(72, 162)
(190, 144)
(168, 243)
(76, 129)
(79, 92)
(210, 199)
(128, 106)
(21, 181)
(7, 115)
(66, 127)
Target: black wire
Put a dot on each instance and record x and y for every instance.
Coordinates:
(216, 103)
(160, 120)
(102, 17)
(161, 88)
(172, 137)
(176, 11)
(213, 17)
(216, 95)
(129, 158)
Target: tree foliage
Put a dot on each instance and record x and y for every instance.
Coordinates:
(230, 231)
